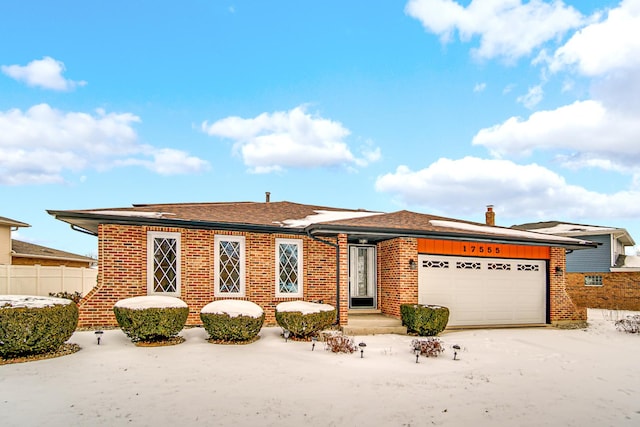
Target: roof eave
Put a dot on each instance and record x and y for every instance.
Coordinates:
(444, 235)
(96, 219)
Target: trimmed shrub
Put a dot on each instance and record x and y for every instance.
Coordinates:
(34, 325)
(424, 320)
(151, 318)
(304, 319)
(232, 320)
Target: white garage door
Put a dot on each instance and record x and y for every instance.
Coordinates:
(484, 291)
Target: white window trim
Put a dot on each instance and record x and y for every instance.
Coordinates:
(300, 293)
(224, 238)
(151, 236)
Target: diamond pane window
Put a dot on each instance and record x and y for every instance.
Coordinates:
(229, 274)
(163, 263)
(288, 267)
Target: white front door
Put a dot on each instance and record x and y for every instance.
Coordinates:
(362, 276)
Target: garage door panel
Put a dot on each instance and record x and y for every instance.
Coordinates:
(484, 291)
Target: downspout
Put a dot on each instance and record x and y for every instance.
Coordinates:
(337, 248)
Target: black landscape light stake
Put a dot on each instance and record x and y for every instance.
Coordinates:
(286, 334)
(362, 345)
(456, 349)
(313, 343)
(99, 335)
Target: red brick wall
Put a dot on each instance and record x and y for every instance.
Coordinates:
(562, 308)
(123, 271)
(619, 290)
(397, 282)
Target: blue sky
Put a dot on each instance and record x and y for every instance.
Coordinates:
(434, 106)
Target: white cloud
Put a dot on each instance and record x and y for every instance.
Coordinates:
(38, 145)
(289, 139)
(506, 28)
(602, 47)
(463, 187)
(584, 127)
(479, 87)
(533, 97)
(45, 73)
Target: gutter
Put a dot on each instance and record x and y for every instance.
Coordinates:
(337, 248)
(395, 232)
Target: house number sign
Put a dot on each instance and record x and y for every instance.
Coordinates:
(476, 248)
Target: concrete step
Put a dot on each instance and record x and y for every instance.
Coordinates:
(373, 330)
(372, 324)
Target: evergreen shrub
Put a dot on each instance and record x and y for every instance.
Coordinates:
(34, 325)
(304, 323)
(424, 320)
(232, 326)
(151, 323)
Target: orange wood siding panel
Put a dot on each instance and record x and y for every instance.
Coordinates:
(481, 249)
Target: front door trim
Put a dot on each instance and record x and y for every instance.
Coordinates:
(362, 271)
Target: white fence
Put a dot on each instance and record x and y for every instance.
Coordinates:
(39, 280)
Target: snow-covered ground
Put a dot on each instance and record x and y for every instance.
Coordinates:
(505, 377)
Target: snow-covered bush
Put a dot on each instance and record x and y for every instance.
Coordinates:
(424, 320)
(338, 343)
(630, 324)
(33, 324)
(429, 347)
(232, 320)
(304, 319)
(151, 318)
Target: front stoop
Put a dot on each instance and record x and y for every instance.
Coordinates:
(373, 324)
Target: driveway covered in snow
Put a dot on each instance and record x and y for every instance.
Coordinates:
(524, 377)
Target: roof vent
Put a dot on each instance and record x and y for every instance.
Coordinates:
(267, 197)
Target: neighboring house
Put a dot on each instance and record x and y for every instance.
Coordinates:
(26, 268)
(603, 277)
(16, 252)
(357, 260)
(7, 225)
(24, 253)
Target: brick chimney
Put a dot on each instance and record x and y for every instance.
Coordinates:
(490, 216)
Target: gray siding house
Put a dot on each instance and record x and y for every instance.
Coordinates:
(601, 277)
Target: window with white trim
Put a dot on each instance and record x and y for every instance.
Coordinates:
(229, 270)
(289, 268)
(163, 263)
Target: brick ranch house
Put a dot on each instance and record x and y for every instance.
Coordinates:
(353, 259)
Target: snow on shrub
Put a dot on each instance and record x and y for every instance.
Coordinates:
(151, 318)
(34, 324)
(304, 319)
(232, 320)
(429, 347)
(424, 320)
(630, 324)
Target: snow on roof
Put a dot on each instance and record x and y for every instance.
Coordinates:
(632, 261)
(303, 306)
(572, 228)
(324, 216)
(30, 301)
(500, 230)
(234, 308)
(133, 213)
(151, 301)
